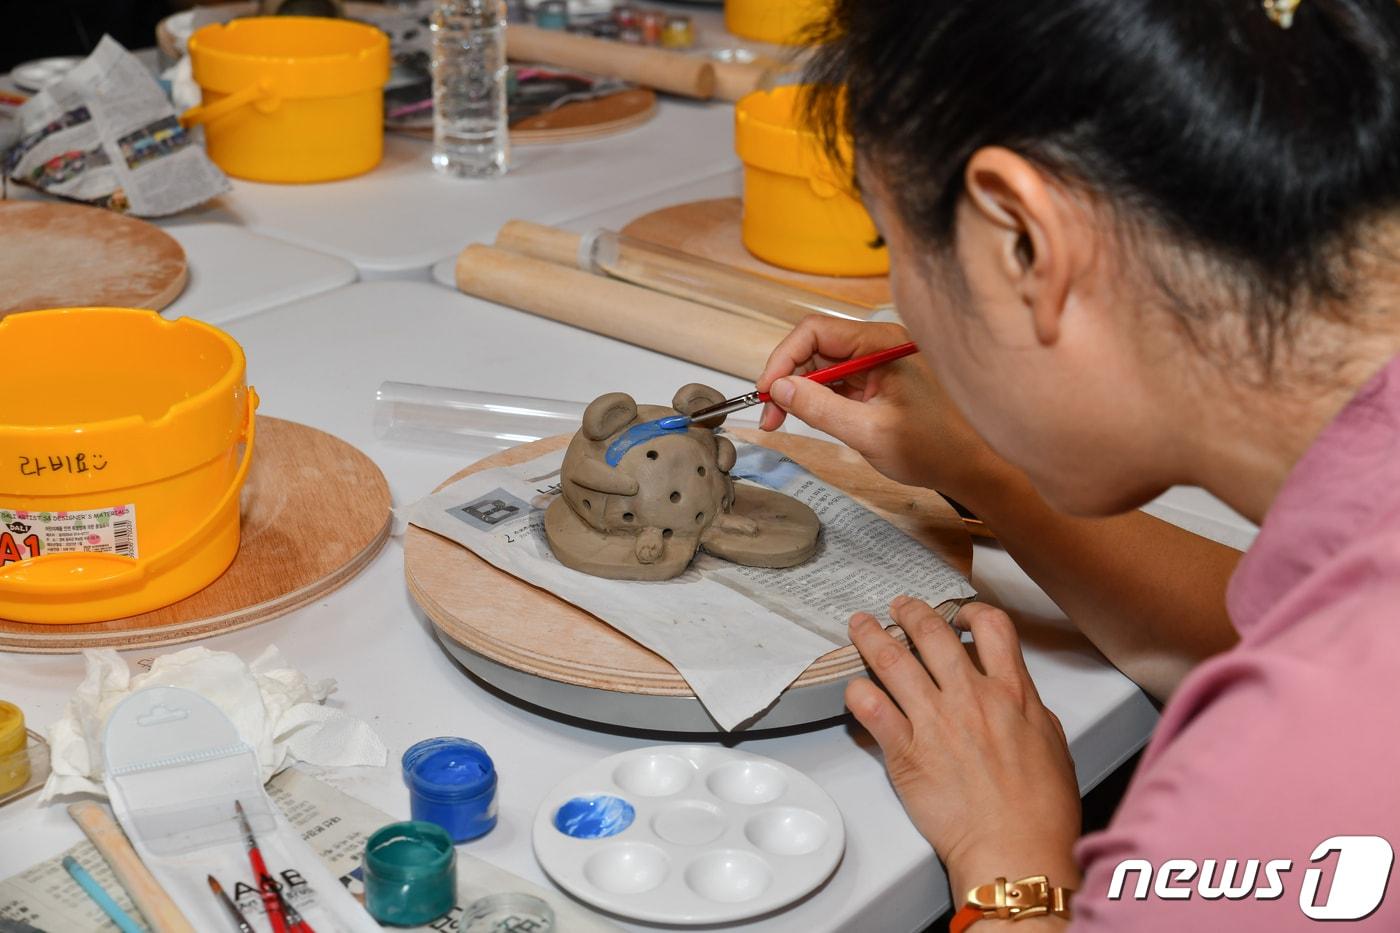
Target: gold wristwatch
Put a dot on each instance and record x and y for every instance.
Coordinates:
(1012, 900)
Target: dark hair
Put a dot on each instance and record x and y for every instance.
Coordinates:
(1266, 149)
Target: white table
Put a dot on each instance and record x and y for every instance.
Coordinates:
(726, 184)
(401, 217)
(319, 361)
(235, 272)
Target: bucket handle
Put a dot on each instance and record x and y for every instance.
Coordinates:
(259, 93)
(65, 573)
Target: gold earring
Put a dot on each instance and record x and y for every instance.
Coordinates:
(1281, 11)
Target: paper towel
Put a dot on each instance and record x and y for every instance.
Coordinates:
(276, 709)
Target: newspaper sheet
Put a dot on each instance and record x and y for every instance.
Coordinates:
(335, 826)
(106, 135)
(739, 635)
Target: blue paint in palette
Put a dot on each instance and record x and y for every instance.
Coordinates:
(594, 817)
(641, 433)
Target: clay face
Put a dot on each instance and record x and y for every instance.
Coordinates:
(667, 496)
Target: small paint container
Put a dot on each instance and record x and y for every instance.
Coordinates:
(497, 912)
(552, 14)
(678, 33)
(452, 782)
(14, 762)
(410, 874)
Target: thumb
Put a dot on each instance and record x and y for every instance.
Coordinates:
(822, 408)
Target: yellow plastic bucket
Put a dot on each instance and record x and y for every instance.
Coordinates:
(785, 22)
(120, 470)
(798, 212)
(291, 98)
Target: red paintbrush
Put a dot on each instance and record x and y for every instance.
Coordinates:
(272, 903)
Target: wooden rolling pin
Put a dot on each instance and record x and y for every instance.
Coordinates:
(678, 328)
(686, 75)
(146, 893)
(735, 79)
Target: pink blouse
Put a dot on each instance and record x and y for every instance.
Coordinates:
(1269, 796)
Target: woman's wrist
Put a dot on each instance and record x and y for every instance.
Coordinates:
(1055, 862)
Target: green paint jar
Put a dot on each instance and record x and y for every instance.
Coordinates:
(410, 874)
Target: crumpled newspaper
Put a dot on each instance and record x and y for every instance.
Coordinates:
(275, 707)
(106, 135)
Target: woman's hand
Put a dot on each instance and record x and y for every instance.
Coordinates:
(981, 765)
(896, 416)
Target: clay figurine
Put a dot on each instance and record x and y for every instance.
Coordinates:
(666, 494)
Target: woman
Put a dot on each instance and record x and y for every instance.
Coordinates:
(1140, 244)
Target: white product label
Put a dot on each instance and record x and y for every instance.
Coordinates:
(25, 534)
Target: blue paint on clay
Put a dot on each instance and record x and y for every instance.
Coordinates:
(594, 817)
(641, 433)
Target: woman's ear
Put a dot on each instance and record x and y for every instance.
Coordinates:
(1026, 215)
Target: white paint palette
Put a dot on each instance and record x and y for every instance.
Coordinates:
(688, 834)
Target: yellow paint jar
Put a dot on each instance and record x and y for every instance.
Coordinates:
(798, 211)
(786, 22)
(291, 98)
(14, 759)
(120, 470)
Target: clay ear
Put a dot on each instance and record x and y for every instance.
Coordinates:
(691, 398)
(725, 454)
(608, 414)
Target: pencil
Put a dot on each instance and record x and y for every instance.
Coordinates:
(99, 896)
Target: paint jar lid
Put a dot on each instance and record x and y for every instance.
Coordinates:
(410, 851)
(449, 769)
(12, 734)
(507, 911)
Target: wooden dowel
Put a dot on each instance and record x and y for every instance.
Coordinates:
(735, 79)
(686, 75)
(542, 242)
(715, 339)
(146, 893)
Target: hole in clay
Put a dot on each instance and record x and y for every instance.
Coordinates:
(666, 532)
(700, 470)
(628, 516)
(587, 504)
(699, 518)
(675, 497)
(652, 455)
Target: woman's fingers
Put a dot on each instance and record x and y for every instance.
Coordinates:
(826, 339)
(901, 674)
(875, 711)
(993, 633)
(940, 649)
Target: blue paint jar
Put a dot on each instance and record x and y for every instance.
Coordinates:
(452, 782)
(410, 873)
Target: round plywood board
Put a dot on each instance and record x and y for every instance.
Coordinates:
(522, 628)
(315, 513)
(586, 119)
(711, 229)
(68, 256)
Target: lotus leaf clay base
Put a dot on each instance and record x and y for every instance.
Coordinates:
(666, 498)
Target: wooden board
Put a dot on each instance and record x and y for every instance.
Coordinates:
(711, 229)
(529, 629)
(575, 122)
(315, 512)
(586, 119)
(68, 255)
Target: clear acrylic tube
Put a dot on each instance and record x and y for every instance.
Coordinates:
(606, 252)
(473, 421)
(466, 419)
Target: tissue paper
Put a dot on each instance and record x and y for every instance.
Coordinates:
(276, 709)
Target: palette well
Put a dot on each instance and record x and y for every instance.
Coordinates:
(689, 834)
